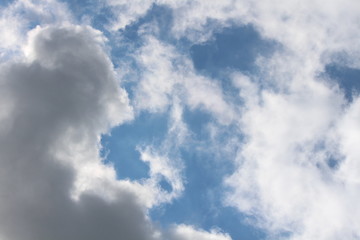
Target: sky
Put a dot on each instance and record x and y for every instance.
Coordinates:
(179, 120)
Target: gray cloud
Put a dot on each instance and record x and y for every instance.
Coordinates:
(56, 103)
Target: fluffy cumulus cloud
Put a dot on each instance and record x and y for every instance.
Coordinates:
(298, 165)
(59, 94)
(296, 160)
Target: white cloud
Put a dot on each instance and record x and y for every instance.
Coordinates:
(190, 17)
(21, 15)
(311, 28)
(348, 132)
(167, 74)
(282, 164)
(156, 85)
(128, 12)
(185, 232)
(294, 123)
(164, 159)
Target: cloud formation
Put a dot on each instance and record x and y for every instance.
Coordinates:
(168, 76)
(58, 103)
(296, 157)
(297, 165)
(55, 104)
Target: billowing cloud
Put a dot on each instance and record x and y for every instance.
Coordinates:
(293, 173)
(56, 103)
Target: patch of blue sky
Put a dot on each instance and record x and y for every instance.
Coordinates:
(96, 13)
(120, 146)
(232, 49)
(157, 14)
(201, 203)
(33, 20)
(197, 122)
(126, 40)
(4, 3)
(88, 8)
(131, 39)
(333, 162)
(348, 79)
(165, 185)
(333, 159)
(200, 122)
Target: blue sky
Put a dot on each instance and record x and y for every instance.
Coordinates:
(203, 173)
(160, 119)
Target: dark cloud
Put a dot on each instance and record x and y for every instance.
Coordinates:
(52, 106)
